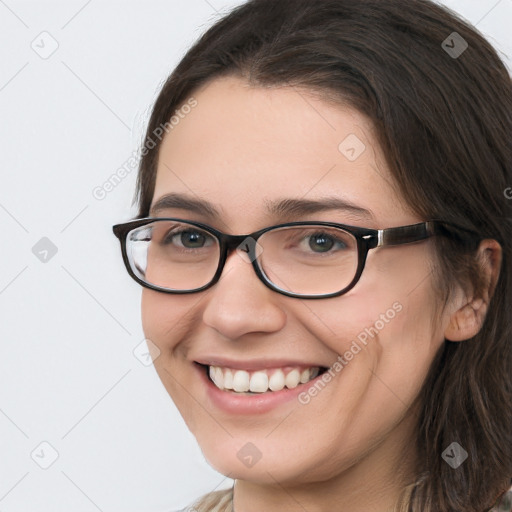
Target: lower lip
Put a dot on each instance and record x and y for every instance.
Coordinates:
(236, 403)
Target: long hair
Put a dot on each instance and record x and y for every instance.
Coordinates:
(440, 100)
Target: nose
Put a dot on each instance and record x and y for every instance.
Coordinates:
(239, 303)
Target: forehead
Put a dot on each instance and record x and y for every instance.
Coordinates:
(242, 148)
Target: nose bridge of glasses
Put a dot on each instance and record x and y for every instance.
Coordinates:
(244, 243)
(234, 243)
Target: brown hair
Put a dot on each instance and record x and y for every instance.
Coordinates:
(444, 123)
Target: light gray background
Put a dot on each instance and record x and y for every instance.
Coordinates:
(69, 325)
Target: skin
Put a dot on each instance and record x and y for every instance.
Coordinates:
(351, 447)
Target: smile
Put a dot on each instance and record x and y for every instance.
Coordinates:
(261, 381)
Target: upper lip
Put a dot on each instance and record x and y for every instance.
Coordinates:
(254, 364)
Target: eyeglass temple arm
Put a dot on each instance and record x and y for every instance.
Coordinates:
(407, 234)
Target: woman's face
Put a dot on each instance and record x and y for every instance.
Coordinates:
(240, 149)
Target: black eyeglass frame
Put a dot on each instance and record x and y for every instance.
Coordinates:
(366, 239)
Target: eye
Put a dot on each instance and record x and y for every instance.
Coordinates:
(322, 242)
(188, 239)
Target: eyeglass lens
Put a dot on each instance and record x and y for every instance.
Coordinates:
(309, 260)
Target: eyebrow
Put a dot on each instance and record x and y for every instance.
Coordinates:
(278, 208)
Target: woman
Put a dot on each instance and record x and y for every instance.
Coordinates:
(356, 356)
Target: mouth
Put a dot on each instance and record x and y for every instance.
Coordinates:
(269, 380)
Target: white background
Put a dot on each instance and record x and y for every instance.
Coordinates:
(68, 327)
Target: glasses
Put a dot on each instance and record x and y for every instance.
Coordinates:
(309, 260)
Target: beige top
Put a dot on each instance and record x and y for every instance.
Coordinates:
(218, 501)
(222, 501)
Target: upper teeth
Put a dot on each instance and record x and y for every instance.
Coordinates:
(260, 381)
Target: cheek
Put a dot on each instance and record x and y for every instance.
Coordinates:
(165, 317)
(385, 324)
(155, 321)
(166, 321)
(361, 316)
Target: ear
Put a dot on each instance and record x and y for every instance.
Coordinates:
(470, 314)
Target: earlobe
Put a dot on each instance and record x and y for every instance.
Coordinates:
(469, 318)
